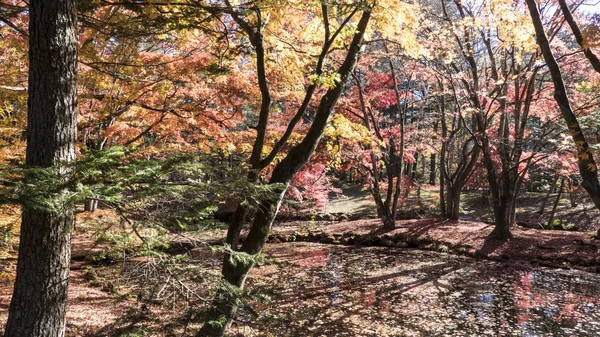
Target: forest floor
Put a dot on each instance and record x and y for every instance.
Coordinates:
(428, 277)
(356, 202)
(327, 290)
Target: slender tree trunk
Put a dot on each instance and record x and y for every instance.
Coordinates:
(587, 51)
(560, 190)
(587, 165)
(421, 182)
(399, 171)
(545, 200)
(432, 165)
(432, 169)
(37, 308)
(225, 303)
(442, 163)
(572, 197)
(442, 183)
(90, 205)
(414, 171)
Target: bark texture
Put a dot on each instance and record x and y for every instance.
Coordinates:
(37, 308)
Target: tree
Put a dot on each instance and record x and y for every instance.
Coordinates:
(234, 272)
(583, 41)
(388, 98)
(587, 165)
(38, 304)
(459, 150)
(502, 81)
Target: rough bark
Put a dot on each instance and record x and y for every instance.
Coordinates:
(37, 308)
(224, 305)
(587, 165)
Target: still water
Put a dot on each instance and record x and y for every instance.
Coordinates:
(328, 290)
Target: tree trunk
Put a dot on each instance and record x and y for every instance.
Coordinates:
(585, 159)
(587, 51)
(226, 301)
(432, 168)
(90, 205)
(37, 308)
(560, 190)
(454, 203)
(443, 150)
(545, 200)
(502, 226)
(443, 210)
(413, 170)
(420, 182)
(432, 165)
(572, 194)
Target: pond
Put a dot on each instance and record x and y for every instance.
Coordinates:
(332, 290)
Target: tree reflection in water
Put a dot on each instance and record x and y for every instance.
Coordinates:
(326, 290)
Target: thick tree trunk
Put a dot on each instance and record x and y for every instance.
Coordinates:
(503, 213)
(501, 229)
(587, 165)
(234, 274)
(453, 206)
(37, 308)
(502, 194)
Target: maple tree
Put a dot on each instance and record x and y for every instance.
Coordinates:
(235, 273)
(502, 83)
(382, 103)
(267, 102)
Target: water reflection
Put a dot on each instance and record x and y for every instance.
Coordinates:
(343, 291)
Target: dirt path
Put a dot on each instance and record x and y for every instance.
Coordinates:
(91, 311)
